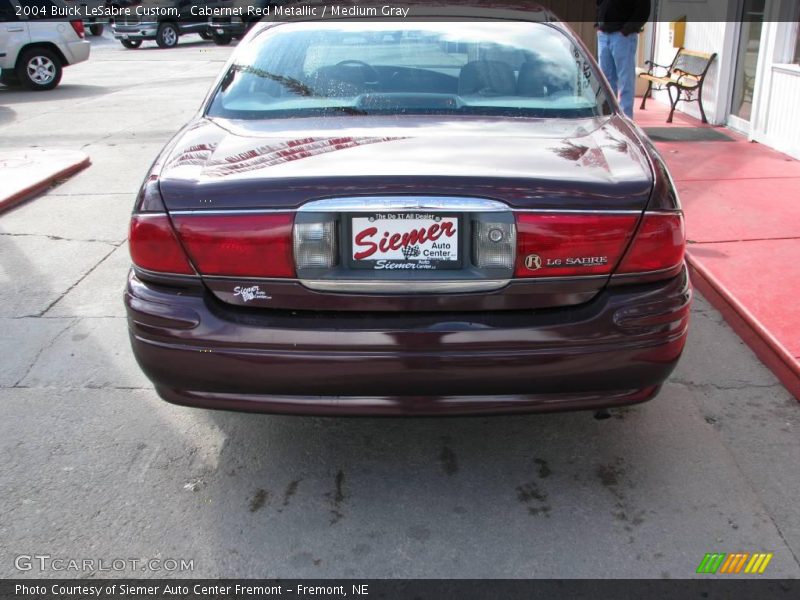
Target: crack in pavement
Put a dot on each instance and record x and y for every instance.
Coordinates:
(768, 239)
(82, 194)
(74, 285)
(42, 349)
(74, 388)
(725, 388)
(57, 238)
(56, 317)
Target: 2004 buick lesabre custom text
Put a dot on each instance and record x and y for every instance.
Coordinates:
(408, 218)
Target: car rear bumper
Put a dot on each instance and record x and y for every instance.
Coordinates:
(139, 31)
(236, 28)
(78, 51)
(615, 350)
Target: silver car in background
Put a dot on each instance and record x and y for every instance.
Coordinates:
(33, 53)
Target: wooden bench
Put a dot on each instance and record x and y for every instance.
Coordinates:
(685, 75)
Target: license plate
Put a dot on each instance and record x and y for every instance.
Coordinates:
(220, 31)
(125, 37)
(412, 241)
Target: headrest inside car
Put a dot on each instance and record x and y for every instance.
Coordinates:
(539, 79)
(487, 78)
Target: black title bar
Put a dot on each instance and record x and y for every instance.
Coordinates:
(574, 11)
(422, 589)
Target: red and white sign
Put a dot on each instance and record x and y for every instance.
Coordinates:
(407, 237)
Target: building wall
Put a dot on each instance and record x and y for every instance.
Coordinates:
(777, 94)
(782, 127)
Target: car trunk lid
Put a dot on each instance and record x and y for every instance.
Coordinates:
(388, 213)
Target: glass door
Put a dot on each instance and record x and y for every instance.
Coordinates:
(744, 78)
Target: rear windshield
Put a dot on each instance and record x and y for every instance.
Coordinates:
(471, 68)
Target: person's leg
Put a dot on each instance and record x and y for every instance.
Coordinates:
(624, 50)
(606, 57)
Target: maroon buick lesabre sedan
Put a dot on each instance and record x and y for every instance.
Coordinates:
(408, 218)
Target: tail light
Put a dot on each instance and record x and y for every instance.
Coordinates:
(236, 245)
(239, 245)
(659, 244)
(315, 244)
(78, 27)
(570, 245)
(154, 247)
(152, 241)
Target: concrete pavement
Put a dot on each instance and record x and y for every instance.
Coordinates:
(96, 466)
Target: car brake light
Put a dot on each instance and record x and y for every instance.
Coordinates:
(569, 245)
(154, 247)
(78, 27)
(315, 244)
(239, 245)
(659, 244)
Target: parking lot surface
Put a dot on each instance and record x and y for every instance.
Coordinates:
(96, 466)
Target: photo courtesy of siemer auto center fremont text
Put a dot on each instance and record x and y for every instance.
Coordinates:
(453, 299)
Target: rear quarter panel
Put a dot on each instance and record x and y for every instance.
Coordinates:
(62, 36)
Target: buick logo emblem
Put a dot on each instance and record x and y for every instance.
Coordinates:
(533, 262)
